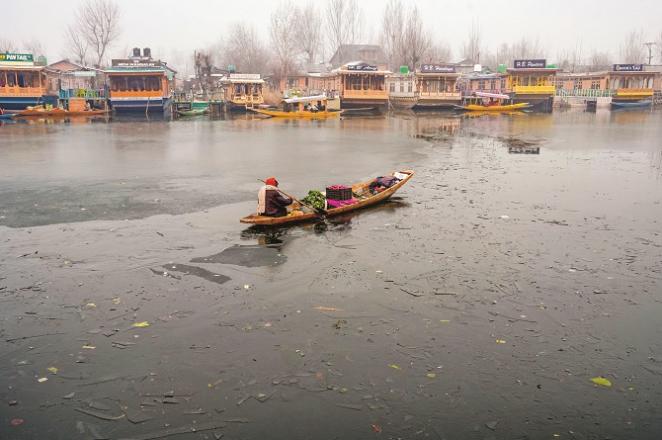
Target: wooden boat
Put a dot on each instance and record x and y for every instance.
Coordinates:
(6, 116)
(492, 102)
(644, 103)
(304, 107)
(192, 112)
(361, 193)
(495, 108)
(58, 112)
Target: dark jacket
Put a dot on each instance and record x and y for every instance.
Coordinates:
(275, 203)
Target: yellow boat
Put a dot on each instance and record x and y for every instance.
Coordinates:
(495, 103)
(305, 107)
(495, 108)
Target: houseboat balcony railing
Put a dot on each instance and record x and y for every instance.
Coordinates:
(441, 95)
(247, 99)
(136, 93)
(534, 90)
(634, 92)
(365, 94)
(22, 91)
(82, 93)
(585, 93)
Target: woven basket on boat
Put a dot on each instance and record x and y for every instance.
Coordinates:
(338, 192)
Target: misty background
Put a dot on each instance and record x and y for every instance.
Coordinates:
(577, 33)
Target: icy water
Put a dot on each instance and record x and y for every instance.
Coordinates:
(479, 303)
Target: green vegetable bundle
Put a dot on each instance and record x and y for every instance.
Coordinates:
(315, 199)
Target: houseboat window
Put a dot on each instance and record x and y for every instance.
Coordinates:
(481, 85)
(402, 87)
(3, 79)
(392, 87)
(492, 84)
(410, 87)
(153, 83)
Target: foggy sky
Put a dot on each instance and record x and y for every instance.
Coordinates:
(174, 28)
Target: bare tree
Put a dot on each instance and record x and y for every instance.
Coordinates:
(7, 45)
(203, 65)
(97, 22)
(600, 60)
(632, 50)
(416, 41)
(34, 47)
(310, 26)
(471, 48)
(245, 50)
(76, 45)
(285, 42)
(344, 23)
(437, 53)
(393, 33)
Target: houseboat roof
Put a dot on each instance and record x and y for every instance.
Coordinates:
(369, 52)
(243, 81)
(532, 69)
(10, 67)
(361, 67)
(119, 70)
(491, 95)
(581, 74)
(66, 66)
(305, 99)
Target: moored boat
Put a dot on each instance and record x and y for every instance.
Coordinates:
(492, 102)
(305, 107)
(644, 103)
(58, 112)
(193, 112)
(360, 191)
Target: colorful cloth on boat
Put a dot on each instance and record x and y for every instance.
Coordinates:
(382, 182)
(271, 202)
(340, 203)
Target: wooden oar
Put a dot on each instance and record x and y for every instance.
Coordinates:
(318, 211)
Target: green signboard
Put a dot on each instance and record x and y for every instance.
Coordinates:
(16, 57)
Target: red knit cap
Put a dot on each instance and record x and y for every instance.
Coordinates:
(271, 181)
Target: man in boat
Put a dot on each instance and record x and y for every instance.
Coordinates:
(270, 201)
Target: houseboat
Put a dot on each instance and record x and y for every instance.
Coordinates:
(22, 83)
(76, 86)
(243, 91)
(437, 87)
(532, 81)
(632, 86)
(140, 84)
(402, 89)
(363, 86)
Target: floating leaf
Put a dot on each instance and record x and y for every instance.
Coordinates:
(142, 324)
(53, 370)
(444, 321)
(42, 379)
(116, 301)
(601, 381)
(500, 341)
(431, 375)
(376, 428)
(395, 366)
(89, 347)
(91, 306)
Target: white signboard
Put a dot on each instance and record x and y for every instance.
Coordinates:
(244, 76)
